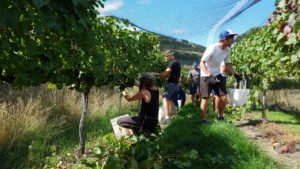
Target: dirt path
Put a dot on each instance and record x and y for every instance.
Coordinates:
(291, 160)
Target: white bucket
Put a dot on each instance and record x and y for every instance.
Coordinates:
(238, 97)
(161, 114)
(179, 103)
(118, 130)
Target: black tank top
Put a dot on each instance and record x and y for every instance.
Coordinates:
(150, 110)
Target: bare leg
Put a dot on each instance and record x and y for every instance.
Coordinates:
(172, 108)
(221, 104)
(198, 99)
(217, 105)
(204, 103)
(129, 132)
(166, 108)
(214, 103)
(193, 98)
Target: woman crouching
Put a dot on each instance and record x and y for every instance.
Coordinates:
(147, 119)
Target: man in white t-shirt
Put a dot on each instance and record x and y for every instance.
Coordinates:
(211, 78)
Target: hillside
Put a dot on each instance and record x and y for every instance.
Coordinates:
(185, 51)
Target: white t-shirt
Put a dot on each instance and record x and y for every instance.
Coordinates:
(214, 56)
(194, 75)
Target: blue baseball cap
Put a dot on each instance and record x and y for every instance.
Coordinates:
(195, 64)
(223, 34)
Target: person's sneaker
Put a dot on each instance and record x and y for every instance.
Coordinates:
(165, 121)
(204, 122)
(221, 119)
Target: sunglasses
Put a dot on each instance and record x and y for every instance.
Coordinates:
(230, 37)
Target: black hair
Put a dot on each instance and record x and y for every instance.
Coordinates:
(145, 82)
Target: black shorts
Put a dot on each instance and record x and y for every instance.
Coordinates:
(194, 88)
(206, 87)
(138, 123)
(131, 122)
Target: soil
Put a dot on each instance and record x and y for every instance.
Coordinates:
(265, 140)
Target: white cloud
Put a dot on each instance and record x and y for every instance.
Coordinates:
(178, 31)
(112, 5)
(143, 2)
(231, 13)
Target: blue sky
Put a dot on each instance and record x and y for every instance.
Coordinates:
(198, 21)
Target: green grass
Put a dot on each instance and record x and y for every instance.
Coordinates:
(289, 120)
(50, 145)
(219, 145)
(186, 143)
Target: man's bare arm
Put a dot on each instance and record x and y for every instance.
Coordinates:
(164, 74)
(204, 68)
